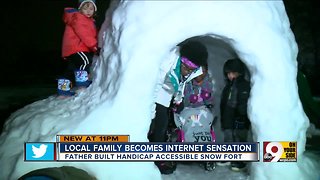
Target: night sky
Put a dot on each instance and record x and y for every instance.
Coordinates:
(33, 38)
(31, 50)
(34, 29)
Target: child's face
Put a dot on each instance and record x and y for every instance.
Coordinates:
(200, 78)
(186, 70)
(87, 9)
(232, 75)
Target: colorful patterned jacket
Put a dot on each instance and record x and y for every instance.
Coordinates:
(196, 95)
(171, 84)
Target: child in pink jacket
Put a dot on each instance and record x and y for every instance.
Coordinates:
(79, 44)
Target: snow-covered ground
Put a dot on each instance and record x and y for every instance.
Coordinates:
(193, 171)
(184, 171)
(139, 37)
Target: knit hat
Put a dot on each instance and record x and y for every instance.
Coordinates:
(81, 2)
(234, 65)
(194, 51)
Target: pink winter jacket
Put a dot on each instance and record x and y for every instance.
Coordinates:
(80, 33)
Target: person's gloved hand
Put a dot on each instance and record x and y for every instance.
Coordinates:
(177, 108)
(243, 118)
(209, 106)
(242, 122)
(97, 51)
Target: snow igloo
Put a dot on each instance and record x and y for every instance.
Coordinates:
(136, 38)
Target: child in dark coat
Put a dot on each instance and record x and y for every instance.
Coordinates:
(233, 106)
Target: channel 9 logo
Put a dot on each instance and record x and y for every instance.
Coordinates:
(280, 151)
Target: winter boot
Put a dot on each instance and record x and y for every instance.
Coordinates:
(208, 166)
(166, 167)
(82, 79)
(223, 163)
(64, 87)
(238, 166)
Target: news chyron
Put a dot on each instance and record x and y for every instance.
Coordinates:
(75, 148)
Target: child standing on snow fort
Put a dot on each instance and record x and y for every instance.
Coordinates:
(79, 44)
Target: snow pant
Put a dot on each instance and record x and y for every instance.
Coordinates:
(159, 124)
(77, 61)
(236, 135)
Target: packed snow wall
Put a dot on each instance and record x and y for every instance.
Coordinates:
(138, 38)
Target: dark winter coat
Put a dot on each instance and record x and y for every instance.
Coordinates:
(80, 33)
(233, 106)
(310, 106)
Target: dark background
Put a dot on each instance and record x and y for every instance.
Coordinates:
(32, 37)
(31, 50)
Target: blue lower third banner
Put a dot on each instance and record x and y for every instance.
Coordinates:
(40, 151)
(157, 151)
